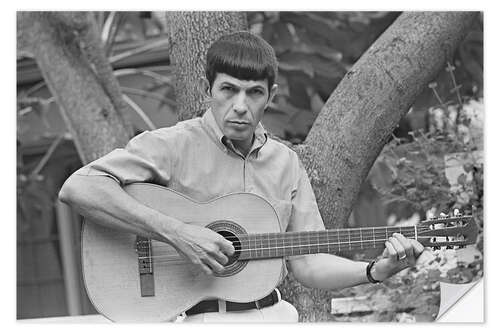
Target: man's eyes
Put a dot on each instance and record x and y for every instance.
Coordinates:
(235, 90)
(229, 88)
(256, 92)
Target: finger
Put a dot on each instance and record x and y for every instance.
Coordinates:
(418, 248)
(220, 257)
(425, 257)
(201, 265)
(226, 246)
(205, 268)
(212, 263)
(401, 253)
(391, 251)
(407, 245)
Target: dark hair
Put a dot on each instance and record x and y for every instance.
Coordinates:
(244, 56)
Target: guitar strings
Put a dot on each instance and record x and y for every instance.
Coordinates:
(313, 235)
(333, 247)
(179, 258)
(321, 236)
(249, 247)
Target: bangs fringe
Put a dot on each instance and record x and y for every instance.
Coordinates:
(245, 57)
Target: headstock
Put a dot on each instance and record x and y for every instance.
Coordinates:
(450, 231)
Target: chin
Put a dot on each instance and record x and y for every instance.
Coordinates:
(238, 136)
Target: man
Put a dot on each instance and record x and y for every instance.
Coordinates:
(227, 150)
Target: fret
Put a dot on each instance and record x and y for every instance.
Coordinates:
(261, 247)
(298, 247)
(328, 241)
(373, 233)
(361, 238)
(255, 246)
(283, 246)
(302, 242)
(318, 241)
(276, 246)
(349, 238)
(338, 238)
(308, 243)
(268, 246)
(306, 237)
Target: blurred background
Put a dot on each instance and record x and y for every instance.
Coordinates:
(433, 163)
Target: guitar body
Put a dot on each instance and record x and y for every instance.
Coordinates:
(111, 267)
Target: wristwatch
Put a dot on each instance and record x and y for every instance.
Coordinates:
(369, 273)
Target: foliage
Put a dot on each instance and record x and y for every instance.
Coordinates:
(314, 50)
(436, 171)
(442, 169)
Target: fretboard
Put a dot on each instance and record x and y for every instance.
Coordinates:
(272, 245)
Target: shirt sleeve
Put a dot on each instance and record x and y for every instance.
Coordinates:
(146, 158)
(305, 214)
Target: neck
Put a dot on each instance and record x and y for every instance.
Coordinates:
(243, 146)
(273, 245)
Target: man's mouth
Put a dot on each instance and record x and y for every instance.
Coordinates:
(239, 122)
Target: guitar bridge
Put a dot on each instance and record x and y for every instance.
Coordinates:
(145, 261)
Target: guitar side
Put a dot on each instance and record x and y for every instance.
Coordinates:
(111, 270)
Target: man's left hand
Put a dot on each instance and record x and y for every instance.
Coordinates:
(400, 252)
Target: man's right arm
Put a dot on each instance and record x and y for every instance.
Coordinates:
(102, 200)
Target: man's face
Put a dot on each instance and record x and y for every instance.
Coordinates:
(238, 106)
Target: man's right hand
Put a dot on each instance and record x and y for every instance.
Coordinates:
(202, 246)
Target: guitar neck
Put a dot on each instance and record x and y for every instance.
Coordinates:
(274, 245)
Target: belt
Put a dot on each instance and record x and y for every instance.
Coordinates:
(213, 305)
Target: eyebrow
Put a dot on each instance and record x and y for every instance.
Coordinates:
(249, 88)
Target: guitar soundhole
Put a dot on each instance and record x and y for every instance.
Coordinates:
(230, 231)
(236, 243)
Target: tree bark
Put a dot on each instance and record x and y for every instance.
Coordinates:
(69, 53)
(191, 34)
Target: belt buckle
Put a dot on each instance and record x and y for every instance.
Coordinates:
(278, 296)
(257, 304)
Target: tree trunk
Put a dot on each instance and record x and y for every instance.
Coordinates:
(191, 34)
(68, 52)
(360, 115)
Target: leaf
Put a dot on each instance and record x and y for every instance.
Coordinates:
(462, 179)
(309, 44)
(283, 37)
(295, 61)
(297, 86)
(325, 67)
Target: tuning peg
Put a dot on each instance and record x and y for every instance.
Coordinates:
(443, 216)
(456, 212)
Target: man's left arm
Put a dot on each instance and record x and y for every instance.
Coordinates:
(326, 271)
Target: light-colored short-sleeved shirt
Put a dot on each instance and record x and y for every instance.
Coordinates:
(196, 159)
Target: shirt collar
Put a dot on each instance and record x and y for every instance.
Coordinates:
(208, 120)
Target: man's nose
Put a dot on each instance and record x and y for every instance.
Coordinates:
(240, 105)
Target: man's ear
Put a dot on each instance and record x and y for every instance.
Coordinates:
(204, 87)
(272, 93)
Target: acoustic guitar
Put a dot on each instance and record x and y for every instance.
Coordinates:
(134, 279)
